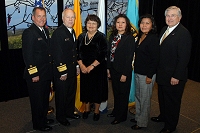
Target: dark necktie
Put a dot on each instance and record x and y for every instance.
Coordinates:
(44, 33)
(72, 33)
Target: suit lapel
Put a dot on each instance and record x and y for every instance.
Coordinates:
(121, 43)
(173, 33)
(41, 34)
(68, 33)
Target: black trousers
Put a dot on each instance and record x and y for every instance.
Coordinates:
(65, 92)
(121, 92)
(170, 102)
(39, 100)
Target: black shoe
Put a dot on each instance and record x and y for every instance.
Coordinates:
(156, 119)
(110, 115)
(96, 117)
(115, 122)
(166, 131)
(133, 120)
(85, 114)
(44, 129)
(49, 121)
(64, 123)
(136, 127)
(75, 116)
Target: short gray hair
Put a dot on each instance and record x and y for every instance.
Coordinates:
(174, 8)
(63, 13)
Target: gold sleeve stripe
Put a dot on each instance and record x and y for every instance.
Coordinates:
(62, 68)
(32, 70)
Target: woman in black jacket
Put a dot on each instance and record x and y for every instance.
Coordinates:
(120, 56)
(145, 64)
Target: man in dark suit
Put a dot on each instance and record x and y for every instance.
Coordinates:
(175, 50)
(38, 71)
(63, 47)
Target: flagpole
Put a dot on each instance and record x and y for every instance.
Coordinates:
(152, 7)
(43, 3)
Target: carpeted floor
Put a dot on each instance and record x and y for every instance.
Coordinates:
(15, 116)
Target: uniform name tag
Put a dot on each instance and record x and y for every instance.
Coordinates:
(39, 39)
(66, 39)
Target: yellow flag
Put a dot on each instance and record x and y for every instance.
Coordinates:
(77, 25)
(78, 29)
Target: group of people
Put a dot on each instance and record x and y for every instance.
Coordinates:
(163, 59)
(62, 57)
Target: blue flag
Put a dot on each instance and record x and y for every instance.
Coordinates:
(38, 3)
(132, 14)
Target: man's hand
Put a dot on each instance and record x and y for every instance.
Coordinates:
(174, 81)
(123, 78)
(35, 79)
(63, 77)
(77, 70)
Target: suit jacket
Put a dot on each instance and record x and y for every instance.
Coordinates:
(36, 53)
(123, 54)
(64, 52)
(174, 55)
(147, 55)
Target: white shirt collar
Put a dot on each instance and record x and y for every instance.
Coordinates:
(172, 28)
(70, 29)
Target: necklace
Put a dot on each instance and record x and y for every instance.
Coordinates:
(89, 39)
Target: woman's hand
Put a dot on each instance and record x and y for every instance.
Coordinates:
(148, 80)
(83, 69)
(123, 78)
(90, 68)
(108, 73)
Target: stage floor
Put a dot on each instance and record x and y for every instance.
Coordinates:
(15, 116)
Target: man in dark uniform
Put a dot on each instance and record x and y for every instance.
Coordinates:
(38, 70)
(175, 48)
(63, 47)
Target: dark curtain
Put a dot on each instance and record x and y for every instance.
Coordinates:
(12, 84)
(190, 19)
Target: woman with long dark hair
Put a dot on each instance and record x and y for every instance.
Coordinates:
(120, 56)
(145, 65)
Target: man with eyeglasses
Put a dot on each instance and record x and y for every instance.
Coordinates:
(63, 46)
(175, 48)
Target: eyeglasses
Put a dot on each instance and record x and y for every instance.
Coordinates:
(92, 23)
(171, 16)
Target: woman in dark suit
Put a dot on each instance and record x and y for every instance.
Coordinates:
(92, 48)
(145, 64)
(120, 56)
